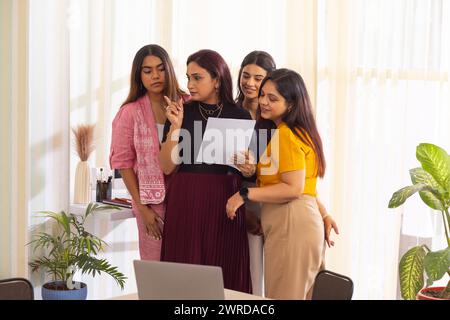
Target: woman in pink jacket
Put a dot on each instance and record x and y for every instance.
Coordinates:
(136, 135)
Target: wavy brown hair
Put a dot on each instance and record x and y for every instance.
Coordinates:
(299, 117)
(137, 89)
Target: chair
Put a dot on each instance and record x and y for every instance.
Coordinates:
(16, 289)
(332, 286)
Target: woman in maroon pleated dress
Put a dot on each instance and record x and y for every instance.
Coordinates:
(196, 228)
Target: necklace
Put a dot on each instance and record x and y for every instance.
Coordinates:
(158, 116)
(206, 113)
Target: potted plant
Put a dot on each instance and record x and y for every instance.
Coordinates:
(432, 181)
(71, 249)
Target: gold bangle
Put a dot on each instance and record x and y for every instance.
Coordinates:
(323, 218)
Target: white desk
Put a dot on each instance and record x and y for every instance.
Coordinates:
(124, 213)
(229, 295)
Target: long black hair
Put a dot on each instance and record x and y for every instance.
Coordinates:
(299, 116)
(137, 89)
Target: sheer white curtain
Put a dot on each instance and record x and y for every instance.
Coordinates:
(14, 175)
(383, 88)
(104, 36)
(34, 123)
(48, 117)
(286, 29)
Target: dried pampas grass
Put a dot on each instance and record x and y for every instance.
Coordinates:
(84, 140)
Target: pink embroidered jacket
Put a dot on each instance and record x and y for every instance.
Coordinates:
(135, 144)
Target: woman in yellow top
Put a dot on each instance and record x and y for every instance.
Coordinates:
(292, 224)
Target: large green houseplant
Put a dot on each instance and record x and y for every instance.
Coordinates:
(432, 181)
(72, 248)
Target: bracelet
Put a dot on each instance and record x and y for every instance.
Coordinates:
(323, 218)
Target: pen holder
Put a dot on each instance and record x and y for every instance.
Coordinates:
(103, 191)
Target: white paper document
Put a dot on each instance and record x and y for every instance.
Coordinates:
(223, 138)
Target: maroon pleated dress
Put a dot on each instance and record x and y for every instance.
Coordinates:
(196, 227)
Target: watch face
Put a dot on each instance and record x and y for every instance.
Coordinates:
(244, 192)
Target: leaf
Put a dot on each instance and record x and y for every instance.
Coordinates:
(436, 162)
(50, 214)
(88, 245)
(61, 218)
(91, 265)
(108, 207)
(89, 208)
(436, 264)
(65, 220)
(400, 196)
(433, 200)
(411, 272)
(81, 245)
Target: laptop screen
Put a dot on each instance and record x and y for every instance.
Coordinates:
(158, 280)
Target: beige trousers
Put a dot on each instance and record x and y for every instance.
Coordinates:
(294, 248)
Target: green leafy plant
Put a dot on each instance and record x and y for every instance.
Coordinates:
(432, 181)
(72, 248)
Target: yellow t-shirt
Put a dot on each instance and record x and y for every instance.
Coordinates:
(286, 152)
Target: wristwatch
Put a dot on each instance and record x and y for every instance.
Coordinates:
(244, 193)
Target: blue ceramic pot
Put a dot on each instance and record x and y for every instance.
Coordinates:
(75, 294)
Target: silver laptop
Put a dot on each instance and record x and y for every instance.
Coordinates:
(158, 280)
